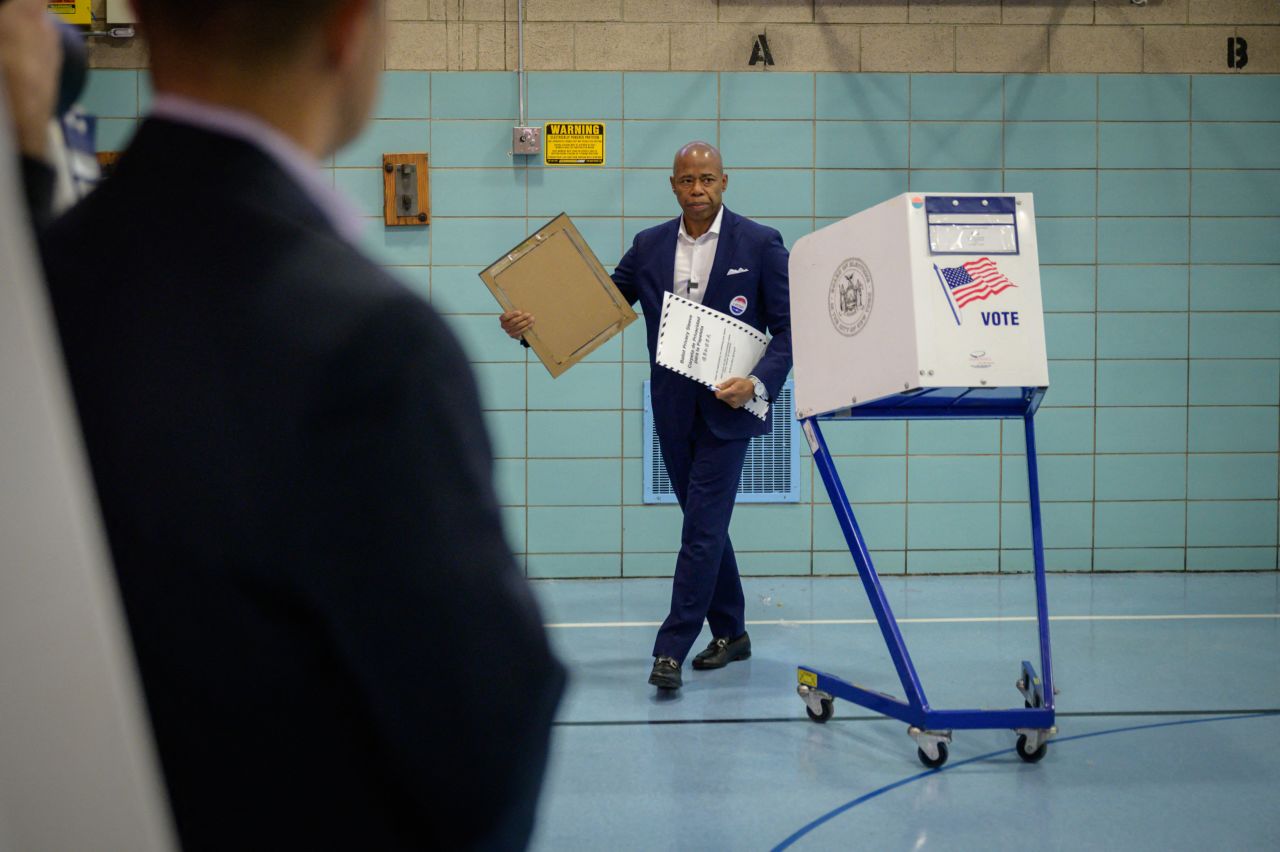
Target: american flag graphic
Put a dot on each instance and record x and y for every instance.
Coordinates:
(974, 281)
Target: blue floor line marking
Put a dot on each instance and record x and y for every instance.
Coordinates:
(866, 797)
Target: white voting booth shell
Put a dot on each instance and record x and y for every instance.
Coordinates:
(872, 314)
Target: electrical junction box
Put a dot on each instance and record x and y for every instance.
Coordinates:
(526, 140)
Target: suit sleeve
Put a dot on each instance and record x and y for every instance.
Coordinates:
(624, 275)
(774, 283)
(38, 180)
(427, 609)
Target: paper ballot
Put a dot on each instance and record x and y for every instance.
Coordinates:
(708, 346)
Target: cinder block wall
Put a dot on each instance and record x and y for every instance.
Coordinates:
(1158, 189)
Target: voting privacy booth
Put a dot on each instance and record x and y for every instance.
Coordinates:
(925, 306)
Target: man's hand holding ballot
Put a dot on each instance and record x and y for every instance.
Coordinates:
(714, 292)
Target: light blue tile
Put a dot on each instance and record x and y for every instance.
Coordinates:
(573, 566)
(953, 525)
(561, 95)
(1234, 382)
(1070, 335)
(1057, 193)
(791, 229)
(1050, 145)
(575, 530)
(1233, 430)
(653, 144)
(386, 136)
(1221, 97)
(1142, 430)
(478, 192)
(471, 143)
(870, 479)
(1235, 240)
(1135, 145)
(955, 145)
(666, 94)
(971, 97)
(502, 384)
(506, 433)
(647, 192)
(634, 376)
(1068, 288)
(774, 95)
(575, 482)
(364, 188)
(508, 480)
(771, 192)
(1066, 241)
(1138, 335)
(1071, 383)
(1061, 478)
(474, 242)
(1058, 430)
(648, 565)
(476, 94)
(774, 564)
(1235, 335)
(1143, 193)
(604, 236)
(1140, 477)
(1155, 240)
(883, 525)
(948, 438)
(459, 290)
(1142, 382)
(1063, 524)
(483, 339)
(1061, 559)
(1139, 559)
(862, 144)
(575, 434)
(514, 526)
(936, 479)
(114, 134)
(1142, 288)
(944, 181)
(953, 561)
(865, 97)
(874, 438)
(111, 94)
(1050, 97)
(578, 192)
(409, 246)
(1231, 559)
(1251, 193)
(1232, 476)
(840, 564)
(1231, 523)
(843, 193)
(635, 348)
(404, 94)
(1134, 524)
(416, 278)
(757, 526)
(1235, 146)
(1144, 97)
(586, 386)
(1235, 288)
(651, 529)
(767, 144)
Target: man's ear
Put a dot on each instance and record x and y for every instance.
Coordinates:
(346, 30)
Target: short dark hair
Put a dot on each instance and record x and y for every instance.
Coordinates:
(249, 28)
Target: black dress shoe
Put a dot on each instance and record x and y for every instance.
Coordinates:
(665, 674)
(721, 652)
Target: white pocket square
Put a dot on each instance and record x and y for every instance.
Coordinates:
(736, 271)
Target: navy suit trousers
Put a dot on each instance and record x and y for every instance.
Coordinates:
(704, 472)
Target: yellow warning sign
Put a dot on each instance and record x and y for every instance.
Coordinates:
(72, 11)
(568, 143)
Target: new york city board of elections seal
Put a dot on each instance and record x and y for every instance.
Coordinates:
(851, 296)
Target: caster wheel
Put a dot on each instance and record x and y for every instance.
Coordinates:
(1030, 756)
(931, 762)
(828, 710)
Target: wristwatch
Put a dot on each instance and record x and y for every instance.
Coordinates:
(761, 393)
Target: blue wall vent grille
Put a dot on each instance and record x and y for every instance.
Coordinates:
(771, 473)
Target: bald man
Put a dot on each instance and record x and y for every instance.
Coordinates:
(713, 256)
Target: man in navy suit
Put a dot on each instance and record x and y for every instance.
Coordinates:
(737, 267)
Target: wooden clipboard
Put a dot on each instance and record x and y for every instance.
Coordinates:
(555, 276)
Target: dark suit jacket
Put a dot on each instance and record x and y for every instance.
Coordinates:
(647, 271)
(336, 646)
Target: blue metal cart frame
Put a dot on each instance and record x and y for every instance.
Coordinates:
(931, 729)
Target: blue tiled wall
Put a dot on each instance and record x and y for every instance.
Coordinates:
(1159, 199)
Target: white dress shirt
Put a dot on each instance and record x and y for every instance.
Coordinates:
(694, 259)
